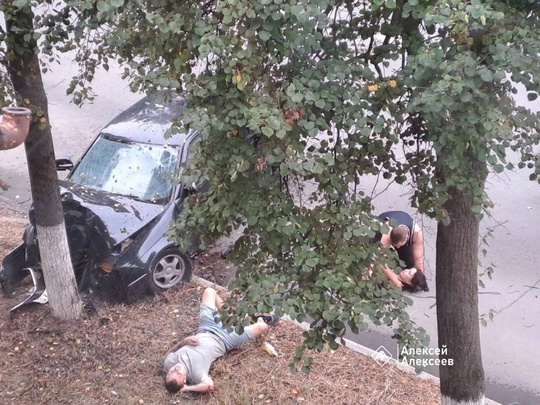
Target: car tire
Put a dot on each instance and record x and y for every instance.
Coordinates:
(168, 269)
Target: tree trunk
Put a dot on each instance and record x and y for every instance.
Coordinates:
(25, 74)
(457, 300)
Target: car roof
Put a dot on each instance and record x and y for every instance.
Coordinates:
(148, 120)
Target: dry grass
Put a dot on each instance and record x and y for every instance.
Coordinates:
(116, 357)
(11, 230)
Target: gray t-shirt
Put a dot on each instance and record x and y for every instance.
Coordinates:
(197, 359)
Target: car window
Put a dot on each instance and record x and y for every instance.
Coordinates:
(193, 148)
(135, 170)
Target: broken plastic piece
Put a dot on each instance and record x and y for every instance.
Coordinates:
(38, 293)
(268, 348)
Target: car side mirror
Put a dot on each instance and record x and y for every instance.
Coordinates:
(64, 163)
(192, 189)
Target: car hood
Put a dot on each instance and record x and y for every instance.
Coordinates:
(122, 216)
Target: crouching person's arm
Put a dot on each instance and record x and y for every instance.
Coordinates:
(392, 276)
(206, 385)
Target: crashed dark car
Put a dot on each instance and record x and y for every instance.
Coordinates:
(118, 203)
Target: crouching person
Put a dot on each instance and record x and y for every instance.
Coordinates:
(188, 368)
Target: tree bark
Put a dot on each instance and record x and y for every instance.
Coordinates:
(25, 74)
(457, 299)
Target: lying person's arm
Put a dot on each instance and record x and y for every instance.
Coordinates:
(206, 385)
(190, 340)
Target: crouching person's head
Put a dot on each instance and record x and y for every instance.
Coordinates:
(175, 378)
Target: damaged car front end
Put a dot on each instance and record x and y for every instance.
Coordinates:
(118, 204)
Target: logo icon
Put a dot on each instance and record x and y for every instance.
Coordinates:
(381, 355)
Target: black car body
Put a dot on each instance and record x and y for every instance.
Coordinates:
(118, 204)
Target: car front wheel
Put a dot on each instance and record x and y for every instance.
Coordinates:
(169, 268)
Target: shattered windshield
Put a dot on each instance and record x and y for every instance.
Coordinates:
(135, 170)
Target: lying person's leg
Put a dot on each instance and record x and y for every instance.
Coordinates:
(211, 299)
(257, 329)
(208, 315)
(233, 339)
(209, 321)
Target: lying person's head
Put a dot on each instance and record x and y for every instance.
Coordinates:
(413, 280)
(175, 378)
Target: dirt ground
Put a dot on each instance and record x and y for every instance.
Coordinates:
(116, 356)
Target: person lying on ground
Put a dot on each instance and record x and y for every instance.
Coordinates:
(412, 280)
(406, 238)
(187, 369)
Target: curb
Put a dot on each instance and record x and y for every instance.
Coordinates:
(22, 221)
(366, 351)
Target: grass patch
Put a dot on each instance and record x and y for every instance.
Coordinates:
(116, 357)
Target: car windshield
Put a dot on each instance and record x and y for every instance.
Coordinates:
(135, 170)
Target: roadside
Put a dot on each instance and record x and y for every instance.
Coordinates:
(116, 356)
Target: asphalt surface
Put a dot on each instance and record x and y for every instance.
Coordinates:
(73, 127)
(509, 344)
(510, 350)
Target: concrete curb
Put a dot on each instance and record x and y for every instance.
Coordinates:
(22, 221)
(366, 351)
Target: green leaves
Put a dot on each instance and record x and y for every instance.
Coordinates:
(296, 110)
(390, 4)
(264, 35)
(486, 75)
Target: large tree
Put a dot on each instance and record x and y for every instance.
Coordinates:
(19, 54)
(297, 101)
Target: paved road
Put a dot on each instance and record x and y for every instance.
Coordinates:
(510, 343)
(73, 128)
